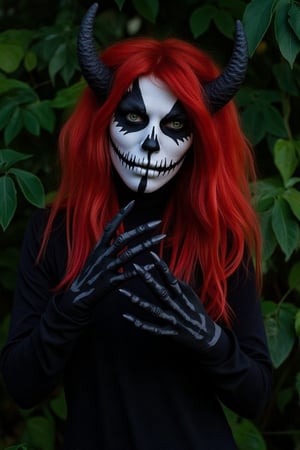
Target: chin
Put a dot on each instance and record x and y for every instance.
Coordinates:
(134, 182)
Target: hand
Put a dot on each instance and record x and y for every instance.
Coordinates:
(181, 315)
(100, 273)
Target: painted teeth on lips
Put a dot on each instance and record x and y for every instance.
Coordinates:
(132, 164)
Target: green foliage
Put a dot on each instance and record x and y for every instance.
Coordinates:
(286, 25)
(40, 83)
(29, 184)
(280, 320)
(246, 434)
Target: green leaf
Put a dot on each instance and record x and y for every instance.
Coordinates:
(285, 78)
(30, 186)
(297, 326)
(57, 61)
(264, 204)
(268, 236)
(288, 42)
(292, 181)
(285, 227)
(257, 18)
(224, 22)
(40, 433)
(8, 201)
(283, 398)
(200, 19)
(294, 18)
(21, 37)
(44, 113)
(247, 436)
(10, 157)
(236, 7)
(285, 158)
(120, 3)
(292, 196)
(6, 112)
(58, 406)
(30, 61)
(7, 85)
(269, 188)
(11, 56)
(294, 277)
(14, 126)
(280, 330)
(31, 123)
(297, 147)
(68, 97)
(253, 123)
(273, 121)
(50, 39)
(147, 9)
(258, 97)
(67, 72)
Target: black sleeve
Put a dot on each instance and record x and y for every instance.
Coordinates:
(41, 336)
(240, 365)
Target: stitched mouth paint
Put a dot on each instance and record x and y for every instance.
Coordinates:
(143, 182)
(150, 135)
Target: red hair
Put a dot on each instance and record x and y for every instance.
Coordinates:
(213, 185)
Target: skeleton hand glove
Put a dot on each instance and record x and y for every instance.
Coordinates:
(100, 273)
(181, 313)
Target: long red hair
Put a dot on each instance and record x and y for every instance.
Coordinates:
(215, 223)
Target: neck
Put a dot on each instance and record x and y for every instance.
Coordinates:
(154, 201)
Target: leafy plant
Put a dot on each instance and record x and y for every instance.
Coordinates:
(40, 83)
(29, 184)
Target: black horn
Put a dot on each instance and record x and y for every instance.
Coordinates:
(222, 89)
(95, 72)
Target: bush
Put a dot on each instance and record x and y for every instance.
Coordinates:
(40, 82)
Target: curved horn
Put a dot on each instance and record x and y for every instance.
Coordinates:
(219, 91)
(96, 73)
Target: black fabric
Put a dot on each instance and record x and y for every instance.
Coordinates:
(127, 389)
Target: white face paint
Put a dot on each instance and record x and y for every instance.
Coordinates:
(149, 135)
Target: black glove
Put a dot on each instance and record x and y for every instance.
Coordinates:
(100, 274)
(181, 315)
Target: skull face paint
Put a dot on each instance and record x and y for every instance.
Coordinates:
(149, 135)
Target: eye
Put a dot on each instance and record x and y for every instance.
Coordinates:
(175, 124)
(134, 117)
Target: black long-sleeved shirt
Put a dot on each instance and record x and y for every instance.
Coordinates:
(127, 389)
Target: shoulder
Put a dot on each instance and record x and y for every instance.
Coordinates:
(54, 257)
(37, 224)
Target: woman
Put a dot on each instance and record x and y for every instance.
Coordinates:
(136, 288)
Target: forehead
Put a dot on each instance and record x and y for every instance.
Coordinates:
(153, 94)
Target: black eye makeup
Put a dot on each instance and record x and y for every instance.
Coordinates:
(131, 115)
(176, 124)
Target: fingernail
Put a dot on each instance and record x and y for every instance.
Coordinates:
(125, 292)
(129, 206)
(155, 256)
(158, 238)
(128, 317)
(138, 268)
(149, 267)
(154, 223)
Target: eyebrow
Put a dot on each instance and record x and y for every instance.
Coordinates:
(176, 111)
(133, 99)
(130, 103)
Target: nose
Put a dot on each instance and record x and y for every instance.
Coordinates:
(151, 144)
